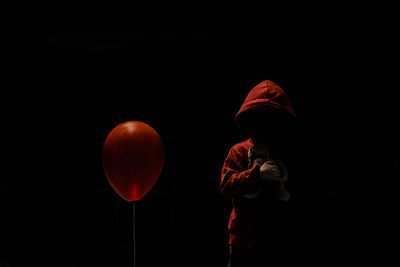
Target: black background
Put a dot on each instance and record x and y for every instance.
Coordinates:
(73, 71)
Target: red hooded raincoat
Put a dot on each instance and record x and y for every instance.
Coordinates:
(237, 179)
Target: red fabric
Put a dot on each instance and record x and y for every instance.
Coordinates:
(267, 93)
(236, 178)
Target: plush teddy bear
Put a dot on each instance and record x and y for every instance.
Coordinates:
(259, 154)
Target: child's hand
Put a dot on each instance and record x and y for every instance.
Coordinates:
(258, 161)
(270, 171)
(257, 151)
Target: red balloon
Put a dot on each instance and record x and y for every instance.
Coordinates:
(133, 158)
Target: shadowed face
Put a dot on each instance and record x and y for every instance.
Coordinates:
(270, 128)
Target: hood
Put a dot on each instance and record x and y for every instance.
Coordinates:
(265, 97)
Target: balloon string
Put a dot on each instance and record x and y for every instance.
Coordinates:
(134, 236)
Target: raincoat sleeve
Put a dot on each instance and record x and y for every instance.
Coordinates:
(236, 179)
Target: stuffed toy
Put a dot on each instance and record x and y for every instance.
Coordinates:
(259, 154)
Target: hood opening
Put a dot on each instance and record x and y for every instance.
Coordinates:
(266, 119)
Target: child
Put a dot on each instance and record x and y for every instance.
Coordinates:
(254, 175)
